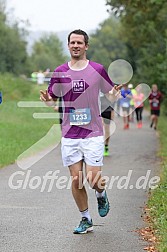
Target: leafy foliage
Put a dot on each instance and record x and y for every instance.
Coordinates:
(144, 26)
(47, 53)
(13, 55)
(106, 44)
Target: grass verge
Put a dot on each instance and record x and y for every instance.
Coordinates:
(18, 129)
(158, 199)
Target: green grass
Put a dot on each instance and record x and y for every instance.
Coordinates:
(158, 200)
(18, 129)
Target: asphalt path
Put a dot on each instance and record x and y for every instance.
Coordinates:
(35, 220)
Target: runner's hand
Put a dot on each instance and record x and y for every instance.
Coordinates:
(44, 96)
(115, 91)
(118, 87)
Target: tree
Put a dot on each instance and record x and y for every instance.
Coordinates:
(13, 56)
(144, 26)
(47, 53)
(107, 43)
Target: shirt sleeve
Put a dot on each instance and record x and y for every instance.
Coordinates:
(161, 97)
(106, 82)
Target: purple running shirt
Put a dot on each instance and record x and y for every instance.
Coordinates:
(79, 90)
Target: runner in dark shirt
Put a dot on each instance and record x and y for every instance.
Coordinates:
(155, 99)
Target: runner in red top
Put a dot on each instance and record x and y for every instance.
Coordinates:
(155, 100)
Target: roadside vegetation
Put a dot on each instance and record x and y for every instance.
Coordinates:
(18, 129)
(158, 199)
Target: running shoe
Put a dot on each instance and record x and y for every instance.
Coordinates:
(106, 151)
(103, 205)
(151, 124)
(139, 125)
(126, 126)
(84, 226)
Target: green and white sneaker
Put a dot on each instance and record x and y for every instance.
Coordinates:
(103, 205)
(106, 151)
(84, 227)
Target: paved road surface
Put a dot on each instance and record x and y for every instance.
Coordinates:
(34, 221)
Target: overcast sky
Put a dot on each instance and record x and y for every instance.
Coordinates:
(60, 15)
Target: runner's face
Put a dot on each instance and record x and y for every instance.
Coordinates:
(77, 46)
(154, 88)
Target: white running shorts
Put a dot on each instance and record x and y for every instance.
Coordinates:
(89, 149)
